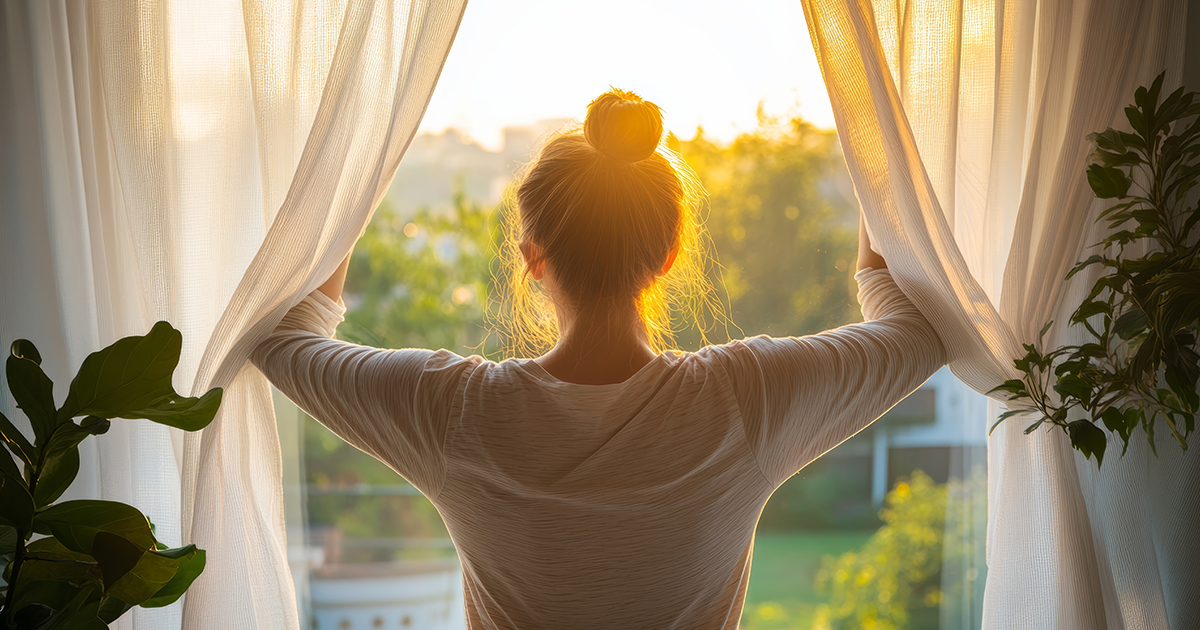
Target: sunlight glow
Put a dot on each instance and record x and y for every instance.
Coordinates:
(705, 62)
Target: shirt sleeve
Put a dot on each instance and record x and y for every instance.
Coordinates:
(392, 404)
(802, 396)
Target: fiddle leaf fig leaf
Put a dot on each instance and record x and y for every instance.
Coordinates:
(116, 557)
(111, 608)
(14, 496)
(48, 559)
(132, 379)
(8, 539)
(25, 349)
(60, 461)
(98, 559)
(154, 572)
(189, 414)
(82, 613)
(56, 476)
(190, 567)
(76, 523)
(16, 441)
(31, 388)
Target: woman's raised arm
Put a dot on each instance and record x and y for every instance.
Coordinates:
(392, 404)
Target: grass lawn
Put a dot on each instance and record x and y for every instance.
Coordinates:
(781, 595)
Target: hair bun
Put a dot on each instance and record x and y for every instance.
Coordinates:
(622, 126)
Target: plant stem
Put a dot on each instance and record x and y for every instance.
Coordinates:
(10, 595)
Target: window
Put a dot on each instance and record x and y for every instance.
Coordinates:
(370, 552)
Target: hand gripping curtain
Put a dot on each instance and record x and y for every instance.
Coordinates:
(207, 163)
(963, 123)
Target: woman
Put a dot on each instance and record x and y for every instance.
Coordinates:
(606, 483)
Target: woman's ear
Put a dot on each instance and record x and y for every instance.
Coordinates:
(670, 260)
(534, 261)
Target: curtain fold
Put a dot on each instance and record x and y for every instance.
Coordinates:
(963, 123)
(208, 164)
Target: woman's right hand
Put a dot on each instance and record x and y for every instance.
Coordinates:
(867, 257)
(333, 286)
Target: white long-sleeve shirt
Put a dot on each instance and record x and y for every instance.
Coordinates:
(630, 505)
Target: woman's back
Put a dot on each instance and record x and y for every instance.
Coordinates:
(627, 505)
(598, 506)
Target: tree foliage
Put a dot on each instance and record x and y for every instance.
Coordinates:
(895, 581)
(1141, 366)
(423, 282)
(785, 231)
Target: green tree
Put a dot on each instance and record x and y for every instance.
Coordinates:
(895, 581)
(784, 232)
(422, 282)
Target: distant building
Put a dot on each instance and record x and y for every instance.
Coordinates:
(933, 430)
(438, 165)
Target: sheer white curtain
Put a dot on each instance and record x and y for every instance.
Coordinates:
(963, 124)
(207, 163)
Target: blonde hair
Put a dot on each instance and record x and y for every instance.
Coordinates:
(606, 203)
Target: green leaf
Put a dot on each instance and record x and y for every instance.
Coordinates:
(50, 560)
(1074, 387)
(1013, 386)
(1110, 158)
(53, 594)
(1005, 416)
(32, 616)
(33, 392)
(1130, 323)
(152, 573)
(1088, 439)
(82, 613)
(1089, 309)
(132, 379)
(117, 556)
(112, 608)
(25, 349)
(61, 459)
(1136, 121)
(1109, 140)
(56, 476)
(189, 414)
(1108, 182)
(16, 441)
(190, 567)
(76, 523)
(14, 496)
(1121, 423)
(8, 539)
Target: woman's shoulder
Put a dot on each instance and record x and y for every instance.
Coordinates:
(734, 348)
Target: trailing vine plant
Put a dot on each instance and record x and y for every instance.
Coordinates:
(1141, 366)
(95, 559)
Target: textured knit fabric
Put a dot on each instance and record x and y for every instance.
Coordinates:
(630, 505)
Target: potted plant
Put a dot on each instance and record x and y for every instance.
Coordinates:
(1141, 366)
(93, 560)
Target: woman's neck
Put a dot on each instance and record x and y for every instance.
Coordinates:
(599, 346)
